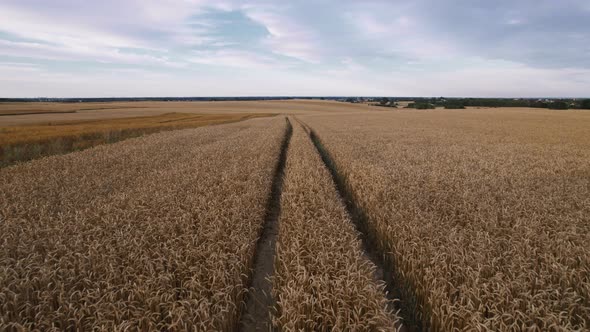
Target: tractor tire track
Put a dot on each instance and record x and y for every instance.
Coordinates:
(370, 247)
(259, 301)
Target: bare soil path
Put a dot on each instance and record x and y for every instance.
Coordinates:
(259, 301)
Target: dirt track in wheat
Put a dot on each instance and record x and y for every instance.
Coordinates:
(322, 282)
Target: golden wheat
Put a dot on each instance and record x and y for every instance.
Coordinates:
(26, 142)
(322, 281)
(483, 217)
(151, 233)
(485, 214)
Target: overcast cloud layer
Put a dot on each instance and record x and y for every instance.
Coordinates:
(83, 48)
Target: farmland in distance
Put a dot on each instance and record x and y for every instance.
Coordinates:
(19, 143)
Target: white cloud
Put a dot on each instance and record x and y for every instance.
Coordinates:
(12, 69)
(496, 79)
(287, 37)
(515, 21)
(80, 53)
(422, 47)
(238, 59)
(399, 35)
(36, 26)
(351, 65)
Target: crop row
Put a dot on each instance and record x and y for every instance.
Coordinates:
(323, 281)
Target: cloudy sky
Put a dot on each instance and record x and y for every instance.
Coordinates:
(86, 48)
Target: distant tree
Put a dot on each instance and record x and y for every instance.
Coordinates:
(585, 104)
(559, 105)
(454, 104)
(350, 100)
(454, 107)
(420, 105)
(539, 104)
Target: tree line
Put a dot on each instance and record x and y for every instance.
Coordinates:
(460, 103)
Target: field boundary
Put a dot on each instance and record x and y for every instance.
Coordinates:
(37, 113)
(259, 301)
(67, 137)
(404, 303)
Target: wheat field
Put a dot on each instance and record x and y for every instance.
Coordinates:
(147, 234)
(322, 282)
(25, 142)
(387, 219)
(484, 215)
